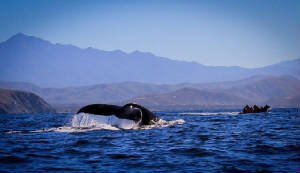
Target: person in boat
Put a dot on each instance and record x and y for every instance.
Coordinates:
(247, 108)
(257, 109)
(266, 108)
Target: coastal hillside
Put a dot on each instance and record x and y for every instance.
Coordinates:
(261, 91)
(12, 101)
(284, 102)
(34, 60)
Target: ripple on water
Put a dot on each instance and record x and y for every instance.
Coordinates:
(60, 169)
(13, 159)
(203, 137)
(73, 151)
(269, 149)
(122, 156)
(42, 156)
(192, 152)
(81, 142)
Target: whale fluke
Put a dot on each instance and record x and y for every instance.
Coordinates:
(129, 111)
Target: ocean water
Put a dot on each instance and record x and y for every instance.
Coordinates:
(186, 141)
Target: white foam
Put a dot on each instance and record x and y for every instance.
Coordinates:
(89, 121)
(163, 123)
(83, 122)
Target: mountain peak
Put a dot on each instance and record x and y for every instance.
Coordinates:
(137, 52)
(21, 38)
(119, 52)
(18, 36)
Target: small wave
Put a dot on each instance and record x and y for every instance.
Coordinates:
(81, 142)
(33, 155)
(193, 152)
(12, 159)
(122, 156)
(55, 169)
(18, 131)
(209, 113)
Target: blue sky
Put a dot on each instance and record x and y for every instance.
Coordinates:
(247, 33)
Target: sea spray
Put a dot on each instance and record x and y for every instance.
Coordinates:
(85, 120)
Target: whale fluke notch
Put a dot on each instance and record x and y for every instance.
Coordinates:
(129, 111)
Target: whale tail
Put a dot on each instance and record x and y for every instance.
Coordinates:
(130, 111)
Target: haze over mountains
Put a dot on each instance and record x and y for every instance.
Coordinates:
(281, 91)
(31, 59)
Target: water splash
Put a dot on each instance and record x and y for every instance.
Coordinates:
(163, 123)
(90, 121)
(83, 122)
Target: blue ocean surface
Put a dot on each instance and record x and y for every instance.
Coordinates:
(187, 141)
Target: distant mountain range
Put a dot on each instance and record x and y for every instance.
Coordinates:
(31, 59)
(278, 91)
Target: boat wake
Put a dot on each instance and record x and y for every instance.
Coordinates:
(209, 113)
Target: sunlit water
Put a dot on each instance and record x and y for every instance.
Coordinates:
(197, 141)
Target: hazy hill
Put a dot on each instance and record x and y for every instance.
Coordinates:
(268, 87)
(189, 96)
(31, 59)
(105, 93)
(115, 92)
(12, 101)
(280, 91)
(274, 90)
(289, 101)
